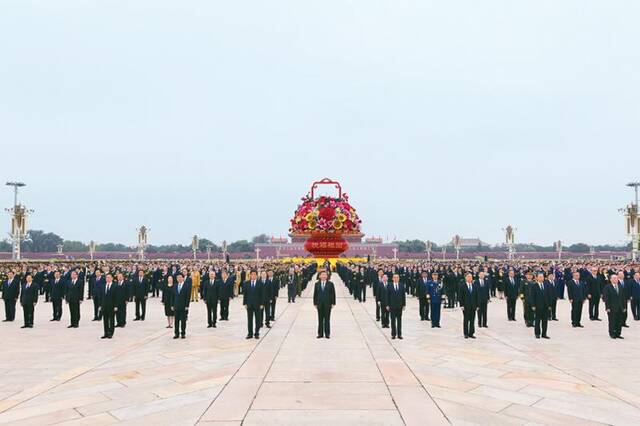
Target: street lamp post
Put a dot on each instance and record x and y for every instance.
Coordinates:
(633, 222)
(444, 253)
(19, 215)
(92, 248)
(59, 247)
(510, 238)
(257, 254)
(209, 252)
(395, 254)
(428, 247)
(194, 246)
(558, 245)
(457, 244)
(142, 241)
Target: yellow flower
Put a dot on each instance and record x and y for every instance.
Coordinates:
(312, 224)
(337, 224)
(342, 217)
(309, 217)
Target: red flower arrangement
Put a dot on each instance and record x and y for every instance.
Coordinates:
(325, 214)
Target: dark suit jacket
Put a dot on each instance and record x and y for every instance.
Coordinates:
(75, 292)
(593, 286)
(483, 291)
(183, 297)
(614, 300)
(211, 290)
(108, 301)
(58, 290)
(11, 291)
(542, 299)
(326, 298)
(396, 299)
(98, 286)
(253, 296)
(467, 299)
(577, 293)
(140, 288)
(511, 291)
(29, 295)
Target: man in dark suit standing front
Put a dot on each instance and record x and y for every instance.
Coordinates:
(615, 304)
(108, 302)
(253, 301)
(577, 295)
(396, 302)
(483, 294)
(140, 294)
(181, 301)
(541, 297)
(211, 295)
(511, 287)
(28, 300)
(468, 302)
(225, 292)
(57, 290)
(10, 294)
(74, 296)
(324, 298)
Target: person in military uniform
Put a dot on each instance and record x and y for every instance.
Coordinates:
(434, 294)
(195, 285)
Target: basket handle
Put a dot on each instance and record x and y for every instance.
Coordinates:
(326, 181)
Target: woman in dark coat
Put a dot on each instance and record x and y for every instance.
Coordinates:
(167, 299)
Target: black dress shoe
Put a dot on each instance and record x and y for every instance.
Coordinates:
(393, 337)
(109, 337)
(466, 337)
(105, 337)
(537, 337)
(176, 336)
(472, 337)
(257, 336)
(319, 336)
(214, 326)
(69, 326)
(546, 337)
(52, 319)
(620, 337)
(249, 337)
(625, 325)
(327, 337)
(24, 326)
(210, 325)
(400, 337)
(183, 336)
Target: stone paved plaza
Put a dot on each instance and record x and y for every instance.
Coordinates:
(54, 375)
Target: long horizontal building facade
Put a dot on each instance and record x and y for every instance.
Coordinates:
(283, 247)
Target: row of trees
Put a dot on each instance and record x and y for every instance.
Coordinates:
(46, 242)
(418, 246)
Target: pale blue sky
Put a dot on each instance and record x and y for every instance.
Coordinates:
(208, 117)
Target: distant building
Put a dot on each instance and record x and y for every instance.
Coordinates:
(281, 247)
(469, 243)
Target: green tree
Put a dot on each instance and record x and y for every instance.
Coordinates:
(39, 241)
(75, 246)
(240, 246)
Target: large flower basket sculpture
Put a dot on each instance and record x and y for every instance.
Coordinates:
(325, 222)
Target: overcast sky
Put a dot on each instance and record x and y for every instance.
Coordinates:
(209, 117)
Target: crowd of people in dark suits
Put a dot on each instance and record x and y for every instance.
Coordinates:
(111, 286)
(471, 285)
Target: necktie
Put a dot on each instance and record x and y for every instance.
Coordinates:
(469, 285)
(396, 286)
(179, 287)
(253, 284)
(108, 287)
(322, 286)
